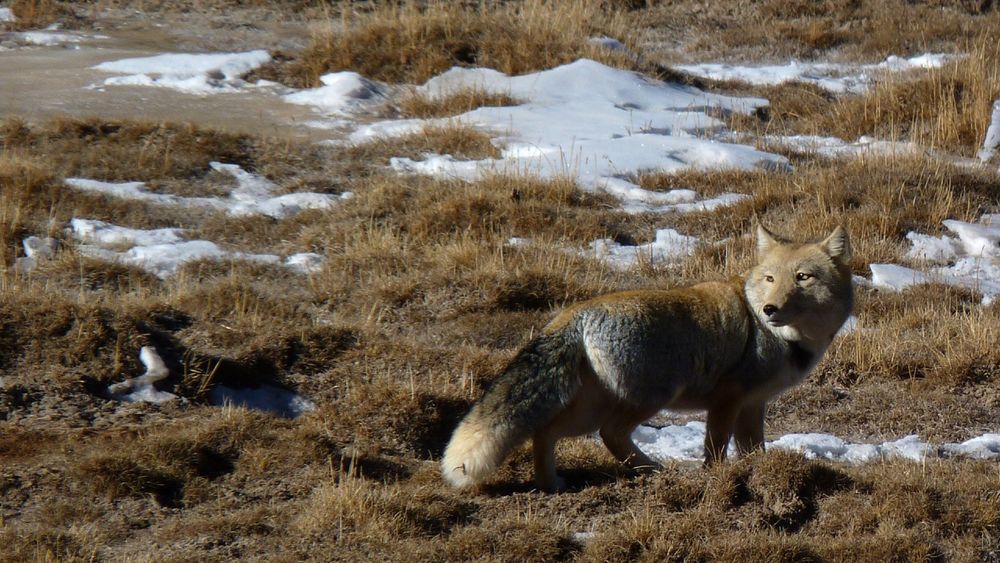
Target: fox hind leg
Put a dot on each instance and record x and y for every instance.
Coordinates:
(583, 415)
(616, 433)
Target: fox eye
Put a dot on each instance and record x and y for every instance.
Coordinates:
(769, 279)
(802, 276)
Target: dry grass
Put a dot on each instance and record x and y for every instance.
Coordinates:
(35, 14)
(422, 301)
(413, 41)
(947, 108)
(420, 304)
(802, 29)
(421, 106)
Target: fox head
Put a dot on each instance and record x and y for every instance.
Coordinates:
(801, 291)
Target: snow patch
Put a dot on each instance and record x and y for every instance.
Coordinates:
(46, 38)
(141, 389)
(687, 443)
(992, 139)
(6, 15)
(253, 195)
(193, 73)
(36, 249)
(833, 147)
(589, 122)
(638, 200)
(971, 259)
(837, 78)
(342, 93)
(669, 246)
(162, 252)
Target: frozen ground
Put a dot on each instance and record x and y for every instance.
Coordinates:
(595, 124)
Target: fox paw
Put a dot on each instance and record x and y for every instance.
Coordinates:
(554, 485)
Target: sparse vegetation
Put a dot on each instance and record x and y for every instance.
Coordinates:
(422, 299)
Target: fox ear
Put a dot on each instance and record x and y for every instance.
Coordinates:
(838, 245)
(765, 240)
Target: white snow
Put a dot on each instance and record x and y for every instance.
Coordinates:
(638, 200)
(253, 195)
(687, 442)
(971, 259)
(992, 139)
(106, 234)
(590, 122)
(342, 93)
(162, 252)
(164, 260)
(194, 73)
(141, 389)
(837, 78)
(268, 398)
(6, 15)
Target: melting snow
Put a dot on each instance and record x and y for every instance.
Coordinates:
(201, 73)
(971, 259)
(838, 78)
(686, 443)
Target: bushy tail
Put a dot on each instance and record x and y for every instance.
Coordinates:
(538, 383)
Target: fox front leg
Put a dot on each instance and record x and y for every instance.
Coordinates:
(720, 422)
(749, 433)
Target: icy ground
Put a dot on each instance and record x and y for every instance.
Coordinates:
(598, 125)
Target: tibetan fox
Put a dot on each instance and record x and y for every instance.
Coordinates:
(612, 362)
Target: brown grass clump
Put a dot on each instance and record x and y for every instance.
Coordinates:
(413, 41)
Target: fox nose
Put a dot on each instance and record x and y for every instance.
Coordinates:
(770, 309)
